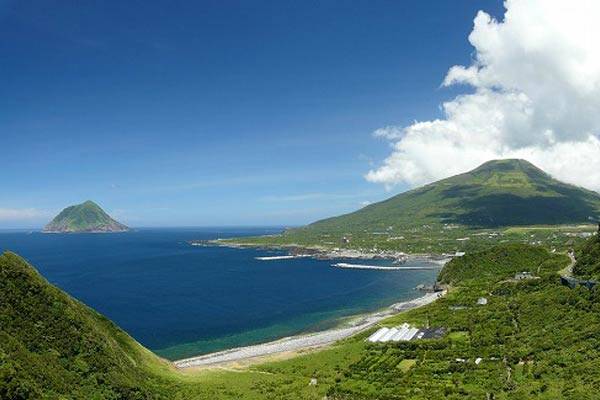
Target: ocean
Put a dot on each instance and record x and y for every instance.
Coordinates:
(181, 300)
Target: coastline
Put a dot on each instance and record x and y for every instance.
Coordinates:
(57, 232)
(325, 253)
(382, 268)
(309, 341)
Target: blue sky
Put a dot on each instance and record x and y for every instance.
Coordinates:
(172, 113)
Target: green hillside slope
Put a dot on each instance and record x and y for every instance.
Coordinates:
(534, 339)
(498, 193)
(51, 345)
(497, 263)
(84, 217)
(588, 259)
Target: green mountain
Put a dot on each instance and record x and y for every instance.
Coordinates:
(498, 193)
(84, 217)
(52, 346)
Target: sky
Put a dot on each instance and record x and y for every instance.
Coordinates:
(210, 113)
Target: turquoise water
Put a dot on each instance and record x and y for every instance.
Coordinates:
(181, 300)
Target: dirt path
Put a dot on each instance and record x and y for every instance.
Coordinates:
(568, 270)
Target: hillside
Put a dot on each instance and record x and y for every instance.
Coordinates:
(84, 217)
(588, 259)
(497, 263)
(497, 193)
(51, 345)
(534, 339)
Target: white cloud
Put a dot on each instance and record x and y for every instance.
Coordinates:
(535, 82)
(20, 214)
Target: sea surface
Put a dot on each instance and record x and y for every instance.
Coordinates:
(181, 300)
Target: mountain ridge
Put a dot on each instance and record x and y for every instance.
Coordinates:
(497, 193)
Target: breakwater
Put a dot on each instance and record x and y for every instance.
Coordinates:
(384, 268)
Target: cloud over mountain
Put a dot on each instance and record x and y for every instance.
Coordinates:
(533, 92)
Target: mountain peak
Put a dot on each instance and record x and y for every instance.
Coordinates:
(510, 172)
(506, 161)
(497, 193)
(85, 217)
(89, 203)
(508, 164)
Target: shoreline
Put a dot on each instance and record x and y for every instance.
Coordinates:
(382, 268)
(302, 342)
(325, 253)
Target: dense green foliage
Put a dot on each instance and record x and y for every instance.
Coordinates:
(588, 259)
(535, 338)
(52, 345)
(497, 263)
(84, 217)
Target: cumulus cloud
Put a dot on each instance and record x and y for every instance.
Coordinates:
(533, 92)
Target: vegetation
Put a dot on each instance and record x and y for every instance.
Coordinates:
(52, 345)
(84, 217)
(431, 239)
(498, 193)
(588, 259)
(497, 263)
(466, 212)
(535, 339)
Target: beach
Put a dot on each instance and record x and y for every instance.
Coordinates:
(306, 341)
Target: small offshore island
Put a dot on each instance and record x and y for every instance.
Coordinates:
(86, 217)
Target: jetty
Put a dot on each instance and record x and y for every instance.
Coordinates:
(385, 268)
(288, 257)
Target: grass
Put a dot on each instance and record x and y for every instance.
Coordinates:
(434, 239)
(460, 336)
(406, 365)
(588, 259)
